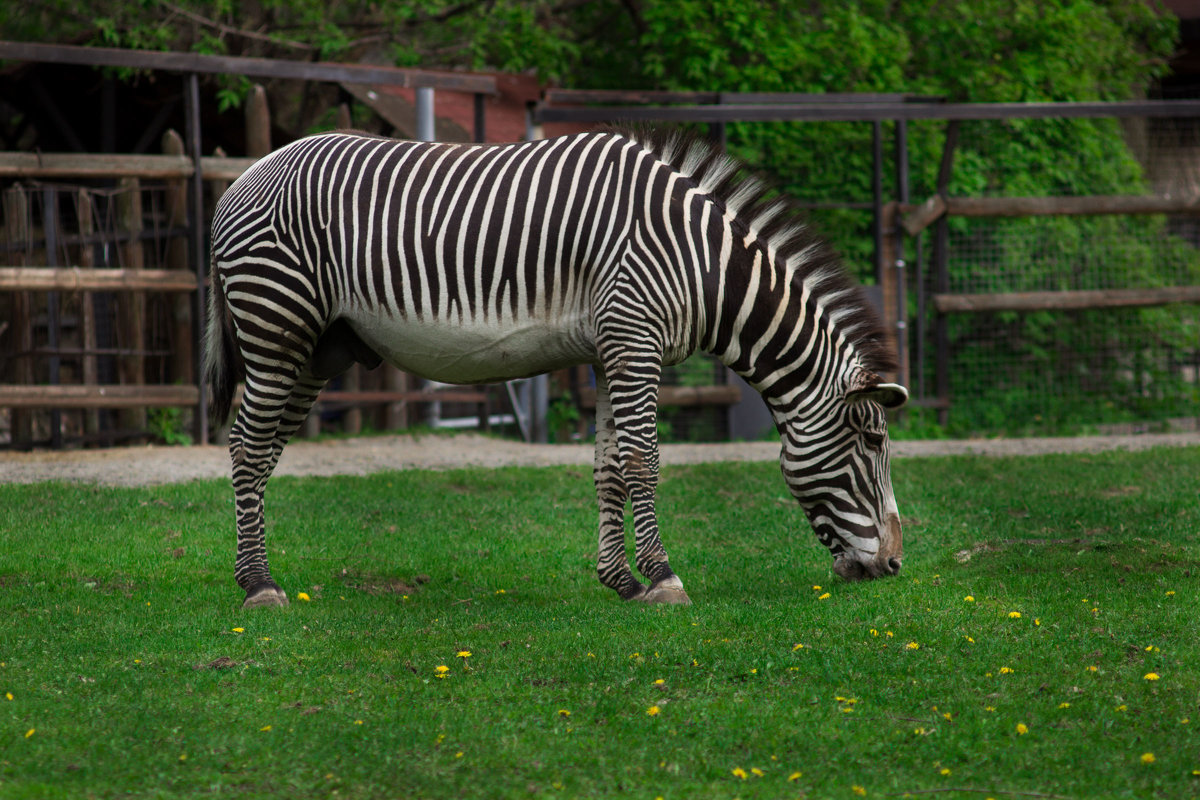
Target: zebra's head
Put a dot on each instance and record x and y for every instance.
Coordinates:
(835, 462)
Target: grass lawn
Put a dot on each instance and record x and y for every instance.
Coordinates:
(1041, 640)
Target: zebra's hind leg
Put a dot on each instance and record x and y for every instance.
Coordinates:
(269, 415)
(611, 564)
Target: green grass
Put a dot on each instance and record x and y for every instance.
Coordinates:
(127, 655)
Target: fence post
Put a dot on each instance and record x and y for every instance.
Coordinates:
(941, 279)
(50, 229)
(191, 97)
(183, 363)
(131, 328)
(87, 303)
(258, 123)
(16, 224)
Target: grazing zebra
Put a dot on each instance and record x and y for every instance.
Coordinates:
(626, 250)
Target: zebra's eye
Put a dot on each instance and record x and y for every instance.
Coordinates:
(874, 439)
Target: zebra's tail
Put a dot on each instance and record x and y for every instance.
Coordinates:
(224, 367)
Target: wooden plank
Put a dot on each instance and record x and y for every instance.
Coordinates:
(1058, 206)
(223, 168)
(687, 396)
(1057, 301)
(104, 396)
(924, 215)
(250, 67)
(50, 279)
(370, 397)
(93, 165)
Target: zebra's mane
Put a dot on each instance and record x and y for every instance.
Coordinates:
(776, 221)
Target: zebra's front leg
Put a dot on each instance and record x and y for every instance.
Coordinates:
(633, 398)
(263, 426)
(611, 564)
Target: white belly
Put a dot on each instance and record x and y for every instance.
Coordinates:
(450, 352)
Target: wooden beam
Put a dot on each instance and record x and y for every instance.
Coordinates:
(69, 279)
(250, 67)
(1057, 206)
(371, 397)
(688, 396)
(1057, 301)
(924, 215)
(91, 165)
(107, 396)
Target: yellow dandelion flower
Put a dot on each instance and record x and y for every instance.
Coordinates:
(440, 670)
(816, 588)
(30, 732)
(795, 776)
(969, 599)
(235, 630)
(1093, 669)
(1006, 671)
(1122, 707)
(969, 639)
(562, 712)
(1151, 676)
(183, 756)
(1170, 592)
(888, 634)
(265, 728)
(738, 772)
(652, 711)
(358, 722)
(825, 596)
(858, 790)
(1014, 615)
(947, 716)
(463, 654)
(459, 754)
(8, 696)
(757, 772)
(946, 771)
(1147, 758)
(797, 646)
(303, 596)
(1151, 648)
(913, 646)
(1064, 705)
(874, 632)
(659, 682)
(1022, 728)
(501, 591)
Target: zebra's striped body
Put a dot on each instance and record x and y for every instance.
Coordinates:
(471, 264)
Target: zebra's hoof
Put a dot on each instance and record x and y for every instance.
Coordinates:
(265, 594)
(667, 592)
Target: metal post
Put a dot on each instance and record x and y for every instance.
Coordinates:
(941, 265)
(877, 196)
(196, 249)
(425, 127)
(901, 286)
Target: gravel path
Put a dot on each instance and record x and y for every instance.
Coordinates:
(143, 466)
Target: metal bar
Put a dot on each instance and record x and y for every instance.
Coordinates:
(941, 280)
(425, 117)
(195, 63)
(901, 276)
(195, 212)
(869, 112)
(877, 197)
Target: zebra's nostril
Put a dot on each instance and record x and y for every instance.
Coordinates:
(894, 565)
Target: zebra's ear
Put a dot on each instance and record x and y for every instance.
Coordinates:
(888, 395)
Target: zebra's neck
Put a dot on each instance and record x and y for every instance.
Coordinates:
(783, 329)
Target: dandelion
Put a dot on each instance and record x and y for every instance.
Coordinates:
(797, 646)
(1147, 758)
(913, 646)
(946, 772)
(303, 596)
(1093, 669)
(825, 596)
(1151, 676)
(652, 711)
(969, 599)
(1170, 592)
(358, 722)
(441, 670)
(562, 712)
(1151, 648)
(757, 772)
(1014, 615)
(858, 790)
(183, 756)
(874, 632)
(1006, 671)
(264, 728)
(463, 654)
(1122, 707)
(235, 630)
(1064, 705)
(501, 591)
(795, 776)
(816, 588)
(738, 772)
(1022, 728)
(659, 682)
(30, 732)
(8, 696)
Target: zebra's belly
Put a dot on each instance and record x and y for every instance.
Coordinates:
(469, 352)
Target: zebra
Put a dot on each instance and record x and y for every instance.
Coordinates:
(624, 249)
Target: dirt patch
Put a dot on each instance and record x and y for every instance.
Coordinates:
(146, 466)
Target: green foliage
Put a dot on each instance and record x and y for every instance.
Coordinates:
(167, 425)
(126, 653)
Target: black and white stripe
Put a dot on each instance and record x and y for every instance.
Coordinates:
(469, 263)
